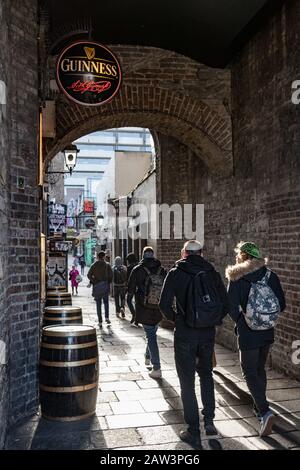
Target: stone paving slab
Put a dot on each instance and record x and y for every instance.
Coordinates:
(127, 407)
(136, 412)
(134, 420)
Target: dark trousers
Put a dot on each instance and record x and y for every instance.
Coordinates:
(82, 270)
(119, 294)
(191, 357)
(253, 364)
(131, 308)
(99, 307)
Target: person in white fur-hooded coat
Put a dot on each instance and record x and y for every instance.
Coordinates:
(254, 345)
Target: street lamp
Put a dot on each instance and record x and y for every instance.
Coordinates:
(71, 152)
(100, 220)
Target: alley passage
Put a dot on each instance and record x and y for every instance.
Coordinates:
(131, 406)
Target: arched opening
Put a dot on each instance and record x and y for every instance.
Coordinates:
(110, 166)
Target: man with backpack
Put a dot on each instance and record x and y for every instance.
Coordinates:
(201, 304)
(145, 284)
(119, 283)
(100, 276)
(256, 300)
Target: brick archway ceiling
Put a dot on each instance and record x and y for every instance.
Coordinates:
(209, 31)
(165, 92)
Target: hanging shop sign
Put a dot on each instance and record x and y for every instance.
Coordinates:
(88, 73)
(90, 223)
(59, 246)
(89, 206)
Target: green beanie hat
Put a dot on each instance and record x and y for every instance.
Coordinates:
(250, 248)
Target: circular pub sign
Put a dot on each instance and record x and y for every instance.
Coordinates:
(90, 223)
(88, 73)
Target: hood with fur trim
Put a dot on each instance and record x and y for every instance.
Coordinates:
(238, 270)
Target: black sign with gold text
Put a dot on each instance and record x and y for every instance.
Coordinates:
(88, 73)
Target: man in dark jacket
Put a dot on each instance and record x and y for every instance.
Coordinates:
(131, 263)
(193, 346)
(100, 275)
(148, 316)
(254, 345)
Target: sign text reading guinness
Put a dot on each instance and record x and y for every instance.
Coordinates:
(88, 73)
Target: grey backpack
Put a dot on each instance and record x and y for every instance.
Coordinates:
(263, 307)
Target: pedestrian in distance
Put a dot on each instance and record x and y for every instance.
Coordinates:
(74, 273)
(100, 276)
(145, 284)
(82, 264)
(201, 304)
(256, 301)
(119, 286)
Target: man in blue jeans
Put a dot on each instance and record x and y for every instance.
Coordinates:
(100, 275)
(148, 316)
(193, 345)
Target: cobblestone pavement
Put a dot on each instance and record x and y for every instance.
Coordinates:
(136, 412)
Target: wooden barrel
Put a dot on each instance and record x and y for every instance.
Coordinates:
(57, 289)
(65, 315)
(58, 299)
(68, 372)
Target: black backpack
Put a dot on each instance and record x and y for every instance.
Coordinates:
(203, 305)
(120, 275)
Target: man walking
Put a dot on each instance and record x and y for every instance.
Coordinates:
(256, 299)
(119, 283)
(100, 275)
(145, 283)
(201, 304)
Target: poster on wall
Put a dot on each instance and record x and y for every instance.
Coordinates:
(57, 271)
(57, 219)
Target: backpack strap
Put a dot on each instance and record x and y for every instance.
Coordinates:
(147, 270)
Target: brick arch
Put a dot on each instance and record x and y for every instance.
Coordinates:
(163, 91)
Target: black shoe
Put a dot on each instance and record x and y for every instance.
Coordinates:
(210, 429)
(100, 326)
(214, 444)
(191, 439)
(108, 322)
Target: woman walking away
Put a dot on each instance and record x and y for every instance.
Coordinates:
(119, 283)
(256, 300)
(73, 278)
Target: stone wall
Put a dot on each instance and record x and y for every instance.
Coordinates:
(19, 210)
(4, 214)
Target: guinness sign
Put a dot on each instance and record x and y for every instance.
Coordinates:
(88, 73)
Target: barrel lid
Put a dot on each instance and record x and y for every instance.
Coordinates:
(68, 330)
(64, 308)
